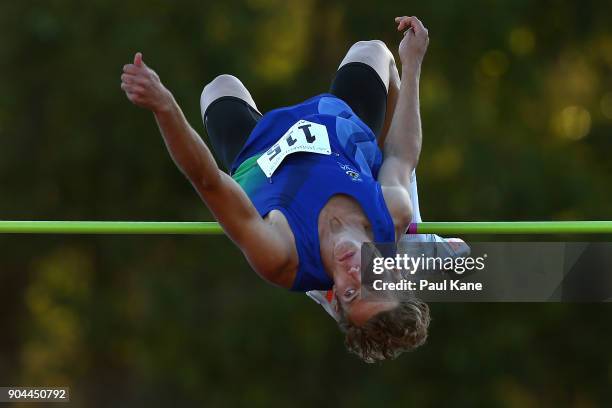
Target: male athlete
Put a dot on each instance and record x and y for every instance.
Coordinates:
(440, 247)
(308, 184)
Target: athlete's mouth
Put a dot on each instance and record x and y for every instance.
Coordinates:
(346, 256)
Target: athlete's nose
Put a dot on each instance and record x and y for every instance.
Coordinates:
(354, 271)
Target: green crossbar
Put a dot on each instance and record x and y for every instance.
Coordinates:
(210, 228)
(110, 227)
(515, 227)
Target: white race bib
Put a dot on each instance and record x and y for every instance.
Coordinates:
(304, 136)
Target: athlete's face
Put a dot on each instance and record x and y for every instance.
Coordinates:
(346, 265)
(347, 283)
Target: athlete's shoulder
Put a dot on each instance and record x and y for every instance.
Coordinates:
(397, 200)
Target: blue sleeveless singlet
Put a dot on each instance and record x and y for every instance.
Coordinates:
(304, 182)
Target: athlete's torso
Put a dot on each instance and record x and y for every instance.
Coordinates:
(294, 194)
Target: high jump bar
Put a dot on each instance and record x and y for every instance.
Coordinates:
(213, 228)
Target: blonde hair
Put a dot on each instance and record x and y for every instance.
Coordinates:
(389, 333)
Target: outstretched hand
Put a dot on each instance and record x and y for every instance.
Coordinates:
(143, 87)
(413, 46)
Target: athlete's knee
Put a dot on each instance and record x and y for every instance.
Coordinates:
(370, 43)
(371, 48)
(219, 85)
(224, 80)
(222, 85)
(373, 53)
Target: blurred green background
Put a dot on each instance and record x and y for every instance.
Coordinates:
(517, 117)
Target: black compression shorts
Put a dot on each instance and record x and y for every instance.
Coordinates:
(229, 120)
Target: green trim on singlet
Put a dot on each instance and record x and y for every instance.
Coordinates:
(246, 166)
(249, 175)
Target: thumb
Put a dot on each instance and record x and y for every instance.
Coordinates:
(138, 60)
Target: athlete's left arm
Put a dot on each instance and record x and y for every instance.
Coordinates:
(403, 143)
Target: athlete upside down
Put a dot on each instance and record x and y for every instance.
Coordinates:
(307, 184)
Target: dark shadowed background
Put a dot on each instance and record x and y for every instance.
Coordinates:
(517, 115)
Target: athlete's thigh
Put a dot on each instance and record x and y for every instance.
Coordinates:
(362, 81)
(229, 114)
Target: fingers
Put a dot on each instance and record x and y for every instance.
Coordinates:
(131, 69)
(417, 26)
(138, 81)
(134, 93)
(134, 79)
(136, 67)
(127, 79)
(133, 74)
(132, 88)
(403, 22)
(138, 59)
(142, 69)
(413, 22)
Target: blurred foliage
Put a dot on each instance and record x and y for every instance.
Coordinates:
(517, 114)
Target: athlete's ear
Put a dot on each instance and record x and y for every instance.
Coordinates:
(334, 300)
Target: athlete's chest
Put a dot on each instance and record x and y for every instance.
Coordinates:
(339, 211)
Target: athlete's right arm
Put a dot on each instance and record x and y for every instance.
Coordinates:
(268, 252)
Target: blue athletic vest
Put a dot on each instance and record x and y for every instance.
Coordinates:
(304, 182)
